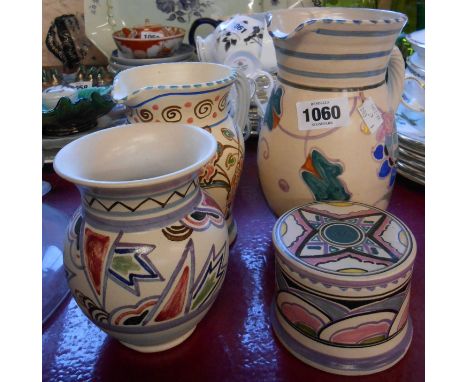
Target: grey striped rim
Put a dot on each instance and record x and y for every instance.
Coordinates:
(329, 89)
(370, 73)
(333, 57)
(341, 33)
(379, 22)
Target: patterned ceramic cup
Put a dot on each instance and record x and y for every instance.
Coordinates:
(147, 251)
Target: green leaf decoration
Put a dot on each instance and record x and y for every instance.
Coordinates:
(230, 161)
(207, 288)
(321, 176)
(216, 184)
(273, 110)
(124, 265)
(227, 133)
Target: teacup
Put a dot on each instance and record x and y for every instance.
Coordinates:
(415, 75)
(413, 96)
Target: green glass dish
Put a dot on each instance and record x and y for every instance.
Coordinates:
(69, 117)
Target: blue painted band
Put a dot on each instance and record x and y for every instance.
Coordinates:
(334, 57)
(148, 211)
(330, 89)
(219, 122)
(332, 32)
(180, 93)
(370, 73)
(164, 325)
(143, 224)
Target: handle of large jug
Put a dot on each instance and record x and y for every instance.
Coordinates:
(243, 104)
(199, 22)
(268, 86)
(396, 77)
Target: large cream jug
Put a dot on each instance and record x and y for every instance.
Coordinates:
(329, 132)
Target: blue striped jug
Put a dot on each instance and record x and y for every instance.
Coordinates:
(328, 132)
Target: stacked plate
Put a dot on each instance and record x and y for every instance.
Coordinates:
(117, 62)
(410, 120)
(411, 139)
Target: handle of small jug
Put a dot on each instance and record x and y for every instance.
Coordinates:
(243, 104)
(421, 85)
(396, 77)
(197, 23)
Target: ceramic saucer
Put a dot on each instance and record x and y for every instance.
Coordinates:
(411, 141)
(410, 124)
(184, 52)
(410, 161)
(408, 173)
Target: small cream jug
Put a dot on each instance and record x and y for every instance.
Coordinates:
(197, 94)
(329, 132)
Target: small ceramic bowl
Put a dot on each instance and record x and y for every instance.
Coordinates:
(77, 114)
(149, 41)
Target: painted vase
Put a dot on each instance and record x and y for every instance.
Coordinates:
(146, 252)
(198, 94)
(343, 282)
(315, 144)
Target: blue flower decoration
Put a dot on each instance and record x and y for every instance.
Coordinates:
(388, 166)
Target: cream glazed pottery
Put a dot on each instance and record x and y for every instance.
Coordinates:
(194, 93)
(343, 282)
(315, 144)
(147, 251)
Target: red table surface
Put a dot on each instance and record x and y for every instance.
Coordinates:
(235, 341)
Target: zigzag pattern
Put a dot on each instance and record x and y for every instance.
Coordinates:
(93, 200)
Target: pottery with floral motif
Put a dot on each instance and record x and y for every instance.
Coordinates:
(199, 94)
(325, 55)
(146, 252)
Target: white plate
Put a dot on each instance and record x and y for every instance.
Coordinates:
(409, 153)
(411, 130)
(411, 162)
(115, 66)
(411, 177)
(405, 172)
(102, 17)
(185, 51)
(411, 144)
(410, 124)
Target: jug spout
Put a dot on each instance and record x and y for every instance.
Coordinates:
(341, 48)
(118, 93)
(204, 48)
(287, 23)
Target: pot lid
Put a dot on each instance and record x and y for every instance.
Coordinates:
(345, 243)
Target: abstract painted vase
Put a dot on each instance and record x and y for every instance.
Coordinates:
(147, 251)
(328, 131)
(198, 94)
(343, 282)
